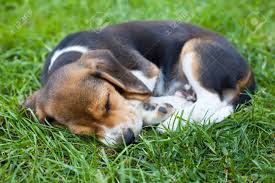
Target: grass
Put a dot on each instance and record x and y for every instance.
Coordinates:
(240, 149)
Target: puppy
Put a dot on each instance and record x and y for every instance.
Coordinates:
(111, 82)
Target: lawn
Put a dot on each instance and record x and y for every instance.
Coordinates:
(239, 149)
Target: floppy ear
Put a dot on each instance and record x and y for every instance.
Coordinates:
(104, 65)
(32, 103)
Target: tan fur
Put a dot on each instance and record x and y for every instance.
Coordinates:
(188, 48)
(244, 82)
(76, 95)
(103, 64)
(241, 85)
(196, 68)
(152, 71)
(84, 128)
(81, 130)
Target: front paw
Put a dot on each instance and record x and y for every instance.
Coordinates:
(154, 114)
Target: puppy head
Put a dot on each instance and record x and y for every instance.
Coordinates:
(89, 97)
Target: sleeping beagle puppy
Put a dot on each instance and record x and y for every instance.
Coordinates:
(111, 82)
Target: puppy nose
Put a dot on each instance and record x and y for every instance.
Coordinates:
(129, 136)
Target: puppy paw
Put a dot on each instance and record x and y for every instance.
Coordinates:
(154, 114)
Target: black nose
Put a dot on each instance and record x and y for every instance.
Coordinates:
(129, 136)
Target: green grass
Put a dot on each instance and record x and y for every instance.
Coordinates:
(240, 149)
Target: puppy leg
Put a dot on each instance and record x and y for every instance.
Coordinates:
(209, 105)
(208, 108)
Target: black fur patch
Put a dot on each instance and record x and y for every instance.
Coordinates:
(160, 42)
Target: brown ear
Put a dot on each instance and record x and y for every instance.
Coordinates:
(104, 65)
(32, 103)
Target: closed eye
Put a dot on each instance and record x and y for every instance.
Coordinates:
(108, 104)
